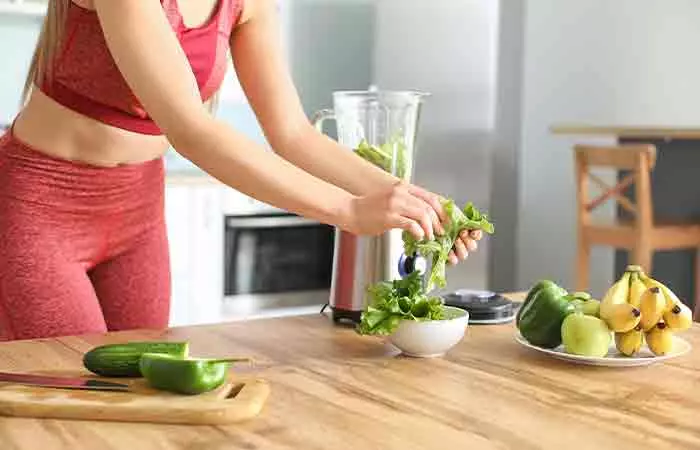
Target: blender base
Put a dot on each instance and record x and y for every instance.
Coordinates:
(344, 316)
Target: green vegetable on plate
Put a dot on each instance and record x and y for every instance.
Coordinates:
(541, 315)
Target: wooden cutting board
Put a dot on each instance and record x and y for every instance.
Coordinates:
(236, 400)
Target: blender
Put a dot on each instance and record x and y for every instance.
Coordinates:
(380, 126)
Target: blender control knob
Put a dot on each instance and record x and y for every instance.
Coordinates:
(410, 264)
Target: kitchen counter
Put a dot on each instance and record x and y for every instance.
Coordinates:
(333, 389)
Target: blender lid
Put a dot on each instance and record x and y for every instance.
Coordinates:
(484, 307)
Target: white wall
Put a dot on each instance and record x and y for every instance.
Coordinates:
(447, 48)
(17, 39)
(596, 61)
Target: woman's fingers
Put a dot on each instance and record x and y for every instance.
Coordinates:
(466, 238)
(404, 223)
(461, 249)
(452, 258)
(410, 207)
(431, 199)
(427, 212)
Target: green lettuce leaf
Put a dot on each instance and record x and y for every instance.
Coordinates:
(391, 302)
(382, 156)
(437, 250)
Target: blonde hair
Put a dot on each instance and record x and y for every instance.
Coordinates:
(48, 44)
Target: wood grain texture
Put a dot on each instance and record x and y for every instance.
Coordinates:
(628, 131)
(333, 389)
(236, 400)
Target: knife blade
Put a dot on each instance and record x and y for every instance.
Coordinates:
(62, 382)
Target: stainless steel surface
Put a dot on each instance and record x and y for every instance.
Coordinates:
(269, 222)
(387, 119)
(61, 382)
(360, 261)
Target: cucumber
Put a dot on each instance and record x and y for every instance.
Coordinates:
(122, 360)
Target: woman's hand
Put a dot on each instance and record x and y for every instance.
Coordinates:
(396, 207)
(466, 241)
(411, 208)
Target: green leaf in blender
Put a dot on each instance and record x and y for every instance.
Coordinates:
(382, 156)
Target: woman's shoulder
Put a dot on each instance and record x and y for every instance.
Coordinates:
(251, 9)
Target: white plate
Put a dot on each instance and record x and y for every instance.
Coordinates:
(613, 358)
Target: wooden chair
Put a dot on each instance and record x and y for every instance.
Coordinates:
(641, 235)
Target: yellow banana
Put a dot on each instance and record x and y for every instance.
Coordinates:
(652, 307)
(630, 342)
(623, 317)
(637, 289)
(616, 295)
(660, 339)
(671, 298)
(678, 318)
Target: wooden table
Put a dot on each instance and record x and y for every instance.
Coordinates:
(675, 192)
(332, 389)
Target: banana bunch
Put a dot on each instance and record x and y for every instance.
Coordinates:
(638, 308)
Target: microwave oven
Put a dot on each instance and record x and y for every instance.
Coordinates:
(276, 261)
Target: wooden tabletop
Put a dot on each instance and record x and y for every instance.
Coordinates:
(333, 389)
(628, 131)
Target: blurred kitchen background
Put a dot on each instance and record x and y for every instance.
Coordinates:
(500, 74)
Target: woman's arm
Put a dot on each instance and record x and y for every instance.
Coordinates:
(154, 65)
(265, 78)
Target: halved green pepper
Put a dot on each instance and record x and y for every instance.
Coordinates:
(184, 375)
(540, 317)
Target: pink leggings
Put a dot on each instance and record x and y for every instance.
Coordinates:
(83, 249)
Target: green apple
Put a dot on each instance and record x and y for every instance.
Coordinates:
(585, 335)
(590, 307)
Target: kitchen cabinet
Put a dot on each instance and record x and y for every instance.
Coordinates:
(193, 210)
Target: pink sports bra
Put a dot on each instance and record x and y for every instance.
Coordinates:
(87, 80)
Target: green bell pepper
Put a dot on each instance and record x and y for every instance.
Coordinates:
(184, 375)
(540, 317)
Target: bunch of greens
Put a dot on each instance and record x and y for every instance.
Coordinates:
(436, 250)
(393, 301)
(382, 156)
(407, 299)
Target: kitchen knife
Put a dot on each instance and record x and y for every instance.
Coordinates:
(61, 382)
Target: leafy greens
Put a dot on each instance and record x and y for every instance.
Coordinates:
(396, 300)
(382, 156)
(390, 302)
(436, 250)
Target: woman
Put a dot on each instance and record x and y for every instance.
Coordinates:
(112, 84)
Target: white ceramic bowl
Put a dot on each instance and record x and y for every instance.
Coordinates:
(431, 338)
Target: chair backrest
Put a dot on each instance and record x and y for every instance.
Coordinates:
(636, 159)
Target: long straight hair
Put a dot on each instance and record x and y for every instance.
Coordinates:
(48, 45)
